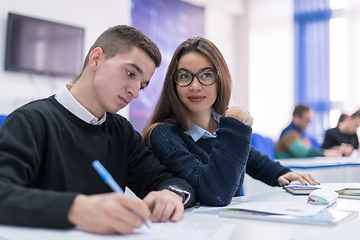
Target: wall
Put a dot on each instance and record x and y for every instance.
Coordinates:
(226, 25)
(256, 39)
(352, 103)
(271, 65)
(228, 31)
(256, 43)
(19, 88)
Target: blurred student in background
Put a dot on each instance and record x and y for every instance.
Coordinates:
(293, 141)
(200, 139)
(344, 134)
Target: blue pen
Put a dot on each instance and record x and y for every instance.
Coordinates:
(109, 180)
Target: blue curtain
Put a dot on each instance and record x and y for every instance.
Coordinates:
(168, 23)
(311, 19)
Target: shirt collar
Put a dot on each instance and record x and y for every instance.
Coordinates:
(196, 132)
(65, 98)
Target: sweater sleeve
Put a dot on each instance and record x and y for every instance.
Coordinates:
(217, 180)
(146, 173)
(299, 150)
(20, 150)
(262, 168)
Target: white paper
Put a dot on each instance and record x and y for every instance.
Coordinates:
(174, 231)
(294, 209)
(338, 186)
(158, 231)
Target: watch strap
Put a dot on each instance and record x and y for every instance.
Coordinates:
(180, 191)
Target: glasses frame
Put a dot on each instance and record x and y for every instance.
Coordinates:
(197, 76)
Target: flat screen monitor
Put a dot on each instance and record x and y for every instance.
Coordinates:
(43, 47)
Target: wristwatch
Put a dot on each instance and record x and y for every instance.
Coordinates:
(180, 191)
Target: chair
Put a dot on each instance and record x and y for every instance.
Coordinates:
(264, 145)
(2, 118)
(314, 143)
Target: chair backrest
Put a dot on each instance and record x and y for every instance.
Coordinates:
(264, 145)
(2, 118)
(314, 143)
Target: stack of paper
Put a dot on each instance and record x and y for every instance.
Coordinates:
(289, 213)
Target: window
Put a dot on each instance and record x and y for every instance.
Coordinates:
(338, 57)
(337, 4)
(338, 60)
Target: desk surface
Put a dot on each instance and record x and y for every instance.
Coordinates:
(245, 229)
(325, 170)
(251, 229)
(319, 162)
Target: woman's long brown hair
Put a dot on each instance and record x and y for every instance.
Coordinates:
(169, 109)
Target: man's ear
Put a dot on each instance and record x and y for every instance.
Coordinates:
(296, 118)
(95, 57)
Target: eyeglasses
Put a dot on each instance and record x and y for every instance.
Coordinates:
(206, 78)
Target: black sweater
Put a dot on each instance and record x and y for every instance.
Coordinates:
(45, 161)
(334, 137)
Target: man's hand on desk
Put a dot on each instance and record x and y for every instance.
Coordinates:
(165, 205)
(287, 178)
(112, 213)
(108, 213)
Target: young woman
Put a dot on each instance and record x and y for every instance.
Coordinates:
(198, 138)
(344, 135)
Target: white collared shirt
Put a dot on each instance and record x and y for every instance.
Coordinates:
(196, 132)
(65, 98)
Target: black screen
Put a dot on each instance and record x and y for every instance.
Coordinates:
(43, 47)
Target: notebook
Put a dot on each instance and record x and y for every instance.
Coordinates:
(345, 190)
(327, 217)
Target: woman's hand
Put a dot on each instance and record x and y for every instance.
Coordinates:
(332, 152)
(346, 149)
(241, 114)
(297, 176)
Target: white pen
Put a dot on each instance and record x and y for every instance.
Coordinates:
(109, 180)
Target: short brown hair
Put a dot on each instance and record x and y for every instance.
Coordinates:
(300, 109)
(169, 108)
(356, 114)
(121, 39)
(342, 117)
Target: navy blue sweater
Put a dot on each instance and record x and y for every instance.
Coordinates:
(215, 167)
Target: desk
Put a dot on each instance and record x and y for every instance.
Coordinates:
(245, 229)
(344, 169)
(250, 229)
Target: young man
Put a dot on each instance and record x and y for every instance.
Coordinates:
(47, 147)
(293, 141)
